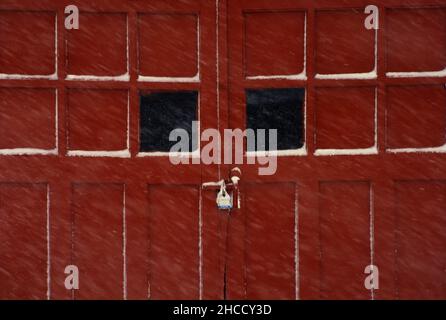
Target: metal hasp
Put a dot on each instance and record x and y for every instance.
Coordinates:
(228, 194)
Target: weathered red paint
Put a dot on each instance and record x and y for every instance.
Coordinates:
(177, 245)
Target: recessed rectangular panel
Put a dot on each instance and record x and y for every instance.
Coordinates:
(343, 44)
(345, 118)
(274, 43)
(163, 112)
(99, 46)
(173, 232)
(280, 109)
(420, 239)
(27, 43)
(271, 233)
(168, 45)
(416, 116)
(344, 217)
(97, 119)
(97, 239)
(23, 241)
(416, 39)
(27, 118)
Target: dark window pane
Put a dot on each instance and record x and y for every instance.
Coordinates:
(280, 109)
(162, 112)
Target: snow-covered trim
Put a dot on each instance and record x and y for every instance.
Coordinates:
(346, 152)
(200, 242)
(107, 153)
(48, 243)
(440, 149)
(372, 234)
(296, 244)
(433, 74)
(122, 77)
(196, 78)
(352, 76)
(278, 153)
(359, 151)
(16, 76)
(300, 76)
(124, 245)
(39, 151)
(348, 76)
(5, 76)
(195, 154)
(98, 154)
(27, 151)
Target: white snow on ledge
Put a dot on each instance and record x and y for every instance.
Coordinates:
(99, 154)
(301, 76)
(277, 153)
(5, 76)
(440, 149)
(351, 76)
(195, 78)
(27, 151)
(123, 77)
(441, 73)
(195, 154)
(360, 76)
(346, 152)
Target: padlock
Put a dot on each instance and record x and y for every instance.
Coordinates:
(224, 199)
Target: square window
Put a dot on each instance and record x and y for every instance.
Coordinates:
(280, 109)
(99, 47)
(27, 118)
(168, 45)
(343, 44)
(416, 40)
(416, 117)
(274, 43)
(97, 120)
(162, 112)
(345, 118)
(27, 43)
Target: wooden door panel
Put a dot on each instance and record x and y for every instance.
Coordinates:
(337, 53)
(270, 241)
(98, 239)
(24, 236)
(345, 238)
(88, 45)
(174, 242)
(369, 173)
(27, 119)
(76, 95)
(420, 221)
(374, 114)
(263, 32)
(30, 35)
(214, 247)
(173, 35)
(415, 116)
(402, 56)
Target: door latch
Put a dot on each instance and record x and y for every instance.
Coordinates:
(228, 193)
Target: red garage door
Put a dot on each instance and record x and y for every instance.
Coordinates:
(86, 179)
(84, 176)
(361, 182)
